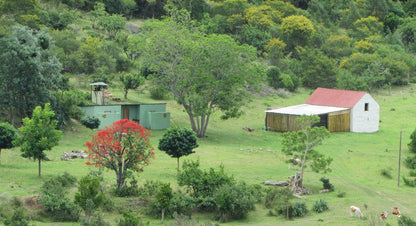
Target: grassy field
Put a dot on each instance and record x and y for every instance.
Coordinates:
(256, 157)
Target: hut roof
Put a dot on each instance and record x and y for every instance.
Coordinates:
(306, 109)
(335, 97)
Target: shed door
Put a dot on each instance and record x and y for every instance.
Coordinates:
(126, 113)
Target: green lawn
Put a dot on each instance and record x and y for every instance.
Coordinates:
(256, 157)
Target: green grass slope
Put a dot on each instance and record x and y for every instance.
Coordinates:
(255, 157)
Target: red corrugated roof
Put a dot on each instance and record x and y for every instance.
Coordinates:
(335, 97)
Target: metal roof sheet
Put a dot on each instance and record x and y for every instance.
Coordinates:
(335, 97)
(98, 84)
(306, 109)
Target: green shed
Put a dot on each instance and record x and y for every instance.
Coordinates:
(151, 116)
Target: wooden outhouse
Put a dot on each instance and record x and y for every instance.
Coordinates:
(339, 111)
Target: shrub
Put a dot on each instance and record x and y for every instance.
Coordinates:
(341, 194)
(326, 184)
(89, 188)
(202, 182)
(387, 173)
(320, 206)
(406, 221)
(409, 182)
(130, 189)
(149, 188)
(234, 200)
(18, 218)
(412, 144)
(410, 162)
(412, 173)
(54, 199)
(180, 203)
(95, 220)
(129, 219)
(299, 209)
(91, 122)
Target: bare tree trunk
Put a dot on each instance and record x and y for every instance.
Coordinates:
(120, 176)
(163, 214)
(178, 166)
(0, 156)
(125, 93)
(39, 167)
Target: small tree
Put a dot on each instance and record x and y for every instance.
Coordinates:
(130, 81)
(7, 136)
(164, 197)
(122, 146)
(178, 142)
(38, 134)
(300, 144)
(412, 144)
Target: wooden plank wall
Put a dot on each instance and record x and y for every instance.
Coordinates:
(339, 121)
(281, 122)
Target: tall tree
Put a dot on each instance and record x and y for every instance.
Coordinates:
(38, 134)
(7, 136)
(29, 71)
(205, 73)
(178, 142)
(300, 144)
(130, 81)
(123, 146)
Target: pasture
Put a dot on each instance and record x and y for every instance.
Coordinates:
(255, 157)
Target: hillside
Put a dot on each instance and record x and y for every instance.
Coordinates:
(228, 59)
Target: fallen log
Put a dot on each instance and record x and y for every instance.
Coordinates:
(277, 183)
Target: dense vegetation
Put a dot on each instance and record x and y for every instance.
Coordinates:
(208, 56)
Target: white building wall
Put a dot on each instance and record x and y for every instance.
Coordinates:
(363, 121)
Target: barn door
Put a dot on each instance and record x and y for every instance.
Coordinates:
(126, 113)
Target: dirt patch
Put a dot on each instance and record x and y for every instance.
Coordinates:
(31, 202)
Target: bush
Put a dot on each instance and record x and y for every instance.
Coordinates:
(341, 194)
(158, 93)
(89, 188)
(54, 199)
(410, 162)
(326, 184)
(234, 200)
(406, 221)
(95, 220)
(129, 219)
(320, 206)
(91, 122)
(130, 189)
(18, 218)
(412, 173)
(149, 188)
(387, 173)
(202, 182)
(180, 203)
(299, 209)
(412, 144)
(409, 182)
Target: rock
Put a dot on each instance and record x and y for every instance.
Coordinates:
(324, 191)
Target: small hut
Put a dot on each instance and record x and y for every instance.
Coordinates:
(339, 111)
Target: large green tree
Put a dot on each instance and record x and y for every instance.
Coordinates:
(29, 71)
(300, 144)
(38, 134)
(205, 73)
(7, 136)
(178, 142)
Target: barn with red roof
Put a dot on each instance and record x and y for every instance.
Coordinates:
(339, 110)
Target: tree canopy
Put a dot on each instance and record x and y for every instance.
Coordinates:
(122, 146)
(29, 71)
(204, 73)
(7, 135)
(178, 142)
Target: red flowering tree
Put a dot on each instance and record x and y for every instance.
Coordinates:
(122, 146)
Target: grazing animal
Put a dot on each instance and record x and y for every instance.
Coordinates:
(396, 212)
(355, 210)
(383, 215)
